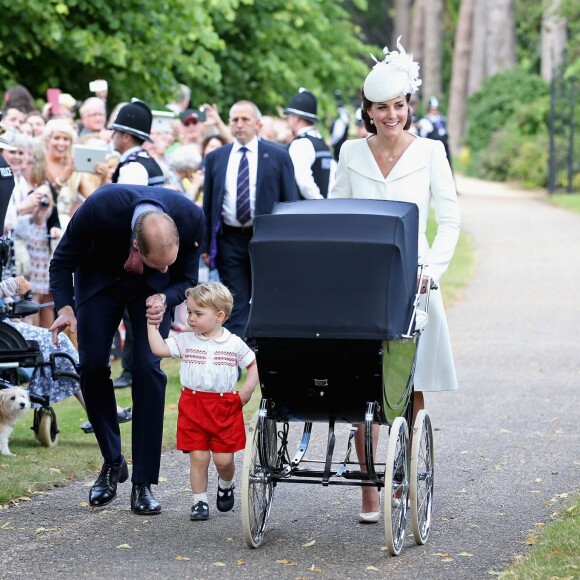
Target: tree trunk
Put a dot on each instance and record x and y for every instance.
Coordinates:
(402, 22)
(415, 46)
(553, 40)
(460, 75)
(477, 69)
(432, 55)
(501, 37)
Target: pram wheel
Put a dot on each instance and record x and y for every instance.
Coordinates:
(45, 427)
(257, 483)
(421, 476)
(396, 486)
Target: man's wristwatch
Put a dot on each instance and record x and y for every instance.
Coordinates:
(163, 299)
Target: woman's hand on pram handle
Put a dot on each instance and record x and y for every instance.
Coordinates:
(66, 317)
(425, 283)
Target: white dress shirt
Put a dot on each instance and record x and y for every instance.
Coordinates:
(210, 364)
(231, 193)
(133, 173)
(303, 156)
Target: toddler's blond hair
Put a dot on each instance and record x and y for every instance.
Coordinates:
(212, 295)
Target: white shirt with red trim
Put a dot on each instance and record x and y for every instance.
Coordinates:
(210, 364)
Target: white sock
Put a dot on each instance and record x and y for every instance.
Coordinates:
(225, 484)
(197, 497)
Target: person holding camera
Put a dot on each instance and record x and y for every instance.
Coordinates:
(34, 230)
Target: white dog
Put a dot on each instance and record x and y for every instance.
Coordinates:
(14, 402)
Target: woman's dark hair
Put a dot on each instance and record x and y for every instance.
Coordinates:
(371, 127)
(19, 97)
(208, 139)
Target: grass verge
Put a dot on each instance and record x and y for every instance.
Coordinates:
(566, 200)
(554, 552)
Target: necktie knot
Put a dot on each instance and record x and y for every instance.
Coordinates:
(243, 213)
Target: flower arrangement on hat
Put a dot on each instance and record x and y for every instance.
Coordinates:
(396, 75)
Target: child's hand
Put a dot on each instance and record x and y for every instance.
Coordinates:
(245, 394)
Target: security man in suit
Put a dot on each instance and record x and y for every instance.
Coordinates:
(130, 130)
(314, 166)
(241, 181)
(137, 248)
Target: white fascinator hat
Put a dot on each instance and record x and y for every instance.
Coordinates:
(395, 76)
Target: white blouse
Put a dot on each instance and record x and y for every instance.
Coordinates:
(210, 364)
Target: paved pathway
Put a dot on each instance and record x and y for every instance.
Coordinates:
(507, 445)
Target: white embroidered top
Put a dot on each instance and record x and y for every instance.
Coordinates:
(210, 364)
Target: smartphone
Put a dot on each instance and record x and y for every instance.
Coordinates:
(202, 116)
(52, 97)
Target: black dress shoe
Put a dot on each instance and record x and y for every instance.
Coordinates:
(143, 502)
(105, 489)
(124, 380)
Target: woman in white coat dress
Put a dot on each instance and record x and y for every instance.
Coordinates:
(393, 164)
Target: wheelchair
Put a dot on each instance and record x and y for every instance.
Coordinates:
(17, 353)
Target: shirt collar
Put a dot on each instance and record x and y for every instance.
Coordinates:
(223, 338)
(310, 129)
(129, 152)
(252, 146)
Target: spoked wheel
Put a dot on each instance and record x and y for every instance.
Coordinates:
(45, 426)
(257, 484)
(396, 486)
(421, 476)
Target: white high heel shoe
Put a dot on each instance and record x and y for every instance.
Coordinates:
(369, 517)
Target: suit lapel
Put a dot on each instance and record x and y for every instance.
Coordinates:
(263, 158)
(221, 171)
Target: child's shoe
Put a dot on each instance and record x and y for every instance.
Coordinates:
(225, 498)
(199, 512)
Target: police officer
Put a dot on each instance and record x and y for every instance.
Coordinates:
(6, 182)
(434, 125)
(314, 166)
(130, 130)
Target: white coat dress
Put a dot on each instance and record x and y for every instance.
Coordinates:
(421, 175)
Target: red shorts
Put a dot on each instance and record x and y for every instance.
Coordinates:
(210, 421)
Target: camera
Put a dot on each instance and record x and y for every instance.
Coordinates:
(202, 116)
(44, 201)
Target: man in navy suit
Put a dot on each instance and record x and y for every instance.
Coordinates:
(268, 177)
(134, 247)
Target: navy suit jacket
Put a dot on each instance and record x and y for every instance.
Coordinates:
(97, 242)
(274, 182)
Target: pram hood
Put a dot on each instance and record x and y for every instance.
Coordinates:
(336, 268)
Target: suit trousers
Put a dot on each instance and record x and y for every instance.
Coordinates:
(98, 318)
(234, 268)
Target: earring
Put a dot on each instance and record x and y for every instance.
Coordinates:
(372, 121)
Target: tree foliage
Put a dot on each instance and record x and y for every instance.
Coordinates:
(498, 101)
(225, 50)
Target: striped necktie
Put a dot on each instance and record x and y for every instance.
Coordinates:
(243, 214)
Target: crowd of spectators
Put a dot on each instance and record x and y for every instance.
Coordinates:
(39, 145)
